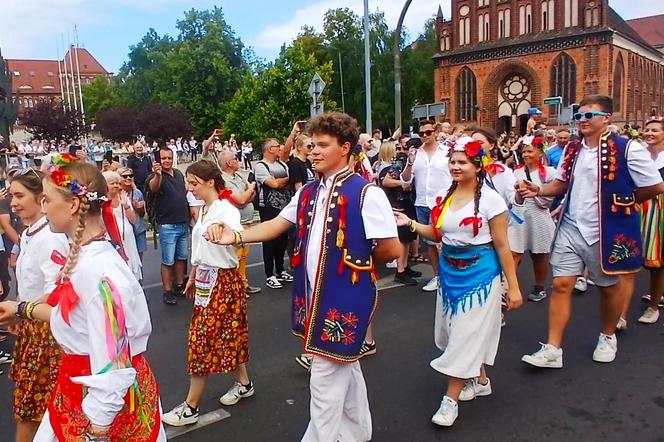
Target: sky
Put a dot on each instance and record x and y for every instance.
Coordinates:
(36, 29)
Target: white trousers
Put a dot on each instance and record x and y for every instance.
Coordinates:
(339, 405)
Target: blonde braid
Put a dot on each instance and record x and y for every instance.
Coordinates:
(75, 249)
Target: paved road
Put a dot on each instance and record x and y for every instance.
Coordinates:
(584, 401)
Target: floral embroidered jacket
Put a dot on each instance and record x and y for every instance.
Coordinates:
(343, 297)
(619, 219)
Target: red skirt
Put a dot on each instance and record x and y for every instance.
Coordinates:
(66, 415)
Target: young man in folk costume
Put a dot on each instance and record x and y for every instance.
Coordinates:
(604, 177)
(345, 228)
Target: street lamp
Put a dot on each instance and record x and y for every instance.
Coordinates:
(397, 66)
(367, 68)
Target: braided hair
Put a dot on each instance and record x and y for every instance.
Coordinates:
(481, 176)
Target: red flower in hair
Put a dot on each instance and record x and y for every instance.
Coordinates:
(473, 148)
(538, 142)
(59, 177)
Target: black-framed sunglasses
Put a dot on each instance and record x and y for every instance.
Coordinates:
(127, 176)
(426, 133)
(588, 115)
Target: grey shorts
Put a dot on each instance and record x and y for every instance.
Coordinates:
(571, 254)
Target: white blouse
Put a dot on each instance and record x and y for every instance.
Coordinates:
(206, 253)
(87, 333)
(504, 183)
(36, 266)
(453, 233)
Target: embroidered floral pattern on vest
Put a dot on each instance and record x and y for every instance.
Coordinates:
(623, 248)
(339, 327)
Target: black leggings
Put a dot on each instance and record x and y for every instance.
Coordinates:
(274, 249)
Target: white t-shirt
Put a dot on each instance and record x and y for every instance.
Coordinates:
(504, 183)
(432, 175)
(206, 253)
(583, 200)
(377, 216)
(35, 270)
(454, 234)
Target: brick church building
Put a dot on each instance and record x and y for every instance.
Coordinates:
(500, 57)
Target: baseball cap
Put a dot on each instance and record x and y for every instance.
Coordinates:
(534, 111)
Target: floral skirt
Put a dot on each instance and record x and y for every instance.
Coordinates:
(34, 370)
(219, 334)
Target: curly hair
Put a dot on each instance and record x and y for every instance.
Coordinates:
(341, 126)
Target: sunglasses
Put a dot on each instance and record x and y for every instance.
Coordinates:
(26, 171)
(588, 115)
(127, 176)
(426, 133)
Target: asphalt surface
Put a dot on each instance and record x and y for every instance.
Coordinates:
(583, 401)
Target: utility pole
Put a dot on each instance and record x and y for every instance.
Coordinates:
(367, 68)
(341, 77)
(397, 66)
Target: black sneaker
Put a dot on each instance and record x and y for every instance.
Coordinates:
(368, 349)
(5, 358)
(169, 298)
(413, 273)
(179, 290)
(404, 278)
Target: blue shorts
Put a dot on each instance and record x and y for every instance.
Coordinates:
(424, 217)
(173, 240)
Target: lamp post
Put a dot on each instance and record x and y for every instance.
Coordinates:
(397, 66)
(367, 68)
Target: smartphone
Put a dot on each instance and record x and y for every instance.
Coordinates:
(157, 156)
(218, 132)
(302, 125)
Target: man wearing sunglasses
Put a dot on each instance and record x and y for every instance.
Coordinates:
(603, 176)
(428, 166)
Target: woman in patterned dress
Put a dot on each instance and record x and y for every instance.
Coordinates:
(652, 225)
(535, 233)
(36, 354)
(218, 334)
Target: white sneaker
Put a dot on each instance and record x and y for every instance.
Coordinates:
(581, 285)
(474, 389)
(607, 347)
(447, 413)
(273, 282)
(181, 415)
(546, 357)
(236, 393)
(392, 264)
(650, 316)
(622, 324)
(432, 285)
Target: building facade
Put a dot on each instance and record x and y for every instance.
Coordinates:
(498, 58)
(40, 80)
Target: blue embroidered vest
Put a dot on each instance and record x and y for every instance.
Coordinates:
(619, 218)
(334, 324)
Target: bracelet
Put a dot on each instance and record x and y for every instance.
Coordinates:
(97, 433)
(239, 234)
(20, 309)
(411, 226)
(29, 309)
(236, 237)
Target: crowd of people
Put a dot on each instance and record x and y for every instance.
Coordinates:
(340, 205)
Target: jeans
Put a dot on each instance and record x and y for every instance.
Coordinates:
(173, 240)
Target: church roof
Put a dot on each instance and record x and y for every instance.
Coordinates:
(651, 29)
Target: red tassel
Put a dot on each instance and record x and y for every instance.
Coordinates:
(64, 295)
(542, 171)
(112, 227)
(340, 268)
(226, 194)
(296, 259)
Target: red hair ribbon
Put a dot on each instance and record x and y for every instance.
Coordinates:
(112, 227)
(541, 170)
(494, 168)
(226, 194)
(64, 295)
(475, 221)
(435, 215)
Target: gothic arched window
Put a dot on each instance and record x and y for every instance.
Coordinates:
(618, 73)
(563, 79)
(466, 91)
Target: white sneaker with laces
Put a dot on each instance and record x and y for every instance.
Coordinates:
(546, 357)
(236, 393)
(284, 277)
(474, 389)
(432, 285)
(181, 415)
(392, 264)
(447, 413)
(607, 347)
(650, 316)
(581, 284)
(273, 282)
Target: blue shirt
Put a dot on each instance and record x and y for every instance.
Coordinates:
(553, 155)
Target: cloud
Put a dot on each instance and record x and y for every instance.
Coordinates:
(276, 34)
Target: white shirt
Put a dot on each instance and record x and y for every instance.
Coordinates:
(87, 333)
(504, 183)
(377, 216)
(432, 175)
(491, 205)
(174, 149)
(35, 270)
(583, 199)
(204, 252)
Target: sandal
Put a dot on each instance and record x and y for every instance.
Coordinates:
(418, 258)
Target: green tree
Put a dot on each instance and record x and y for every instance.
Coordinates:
(102, 94)
(418, 70)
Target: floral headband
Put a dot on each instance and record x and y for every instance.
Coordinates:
(63, 180)
(473, 150)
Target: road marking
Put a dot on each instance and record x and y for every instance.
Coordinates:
(204, 420)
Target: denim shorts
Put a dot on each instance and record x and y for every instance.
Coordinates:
(173, 242)
(424, 217)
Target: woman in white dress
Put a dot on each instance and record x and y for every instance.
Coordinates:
(471, 222)
(36, 355)
(125, 217)
(98, 315)
(535, 234)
